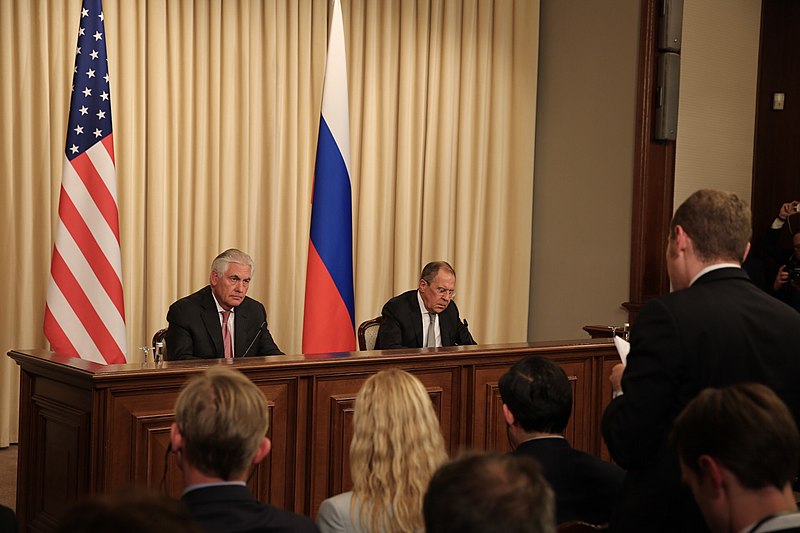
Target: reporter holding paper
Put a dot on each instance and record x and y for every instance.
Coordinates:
(716, 329)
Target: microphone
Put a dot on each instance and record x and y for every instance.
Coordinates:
(260, 329)
(466, 328)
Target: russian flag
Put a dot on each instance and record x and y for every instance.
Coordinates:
(329, 321)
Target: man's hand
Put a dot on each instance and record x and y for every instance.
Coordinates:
(788, 209)
(781, 279)
(616, 378)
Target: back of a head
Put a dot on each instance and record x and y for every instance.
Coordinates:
(397, 446)
(718, 223)
(490, 493)
(223, 418)
(129, 511)
(745, 427)
(538, 394)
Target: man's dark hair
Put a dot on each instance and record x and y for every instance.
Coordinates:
(538, 394)
(718, 223)
(489, 493)
(745, 427)
(430, 270)
(128, 511)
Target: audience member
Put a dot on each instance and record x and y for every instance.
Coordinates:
(220, 320)
(425, 317)
(8, 520)
(537, 403)
(787, 281)
(129, 511)
(489, 493)
(738, 449)
(714, 330)
(220, 428)
(397, 446)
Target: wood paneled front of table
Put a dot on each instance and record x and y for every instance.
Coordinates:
(88, 428)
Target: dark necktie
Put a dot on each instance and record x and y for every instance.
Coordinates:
(431, 340)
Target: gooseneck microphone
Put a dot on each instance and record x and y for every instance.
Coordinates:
(466, 327)
(258, 334)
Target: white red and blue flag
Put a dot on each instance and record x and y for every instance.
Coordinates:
(329, 321)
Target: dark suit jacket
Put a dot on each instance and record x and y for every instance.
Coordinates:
(8, 520)
(401, 324)
(720, 331)
(231, 508)
(586, 487)
(195, 333)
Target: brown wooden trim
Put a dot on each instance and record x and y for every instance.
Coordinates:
(653, 184)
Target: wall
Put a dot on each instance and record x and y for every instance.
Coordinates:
(583, 170)
(716, 115)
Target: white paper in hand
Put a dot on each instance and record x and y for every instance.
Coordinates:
(623, 347)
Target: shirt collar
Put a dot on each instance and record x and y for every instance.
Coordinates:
(715, 266)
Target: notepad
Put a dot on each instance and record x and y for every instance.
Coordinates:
(623, 347)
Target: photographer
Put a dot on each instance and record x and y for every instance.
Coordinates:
(787, 282)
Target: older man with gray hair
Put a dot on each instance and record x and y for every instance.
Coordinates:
(220, 320)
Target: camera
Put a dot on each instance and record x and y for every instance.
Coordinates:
(793, 269)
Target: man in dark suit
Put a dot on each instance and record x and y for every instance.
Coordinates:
(489, 493)
(425, 317)
(219, 433)
(220, 320)
(738, 453)
(537, 403)
(716, 329)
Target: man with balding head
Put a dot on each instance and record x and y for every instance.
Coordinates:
(425, 317)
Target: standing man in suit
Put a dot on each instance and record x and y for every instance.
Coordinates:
(537, 403)
(220, 320)
(426, 317)
(219, 433)
(716, 329)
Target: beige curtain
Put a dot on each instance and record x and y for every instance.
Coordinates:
(216, 109)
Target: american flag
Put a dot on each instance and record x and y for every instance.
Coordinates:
(85, 313)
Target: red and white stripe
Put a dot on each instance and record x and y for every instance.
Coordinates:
(85, 314)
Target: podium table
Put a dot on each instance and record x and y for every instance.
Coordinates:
(87, 428)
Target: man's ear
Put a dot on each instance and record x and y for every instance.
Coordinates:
(175, 438)
(508, 415)
(263, 450)
(680, 238)
(712, 472)
(746, 252)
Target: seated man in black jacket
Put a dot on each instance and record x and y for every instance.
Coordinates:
(425, 317)
(220, 320)
(219, 434)
(537, 402)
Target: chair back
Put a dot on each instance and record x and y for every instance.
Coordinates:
(368, 333)
(160, 337)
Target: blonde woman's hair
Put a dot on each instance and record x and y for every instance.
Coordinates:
(223, 418)
(396, 448)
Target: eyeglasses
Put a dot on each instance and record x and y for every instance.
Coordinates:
(441, 291)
